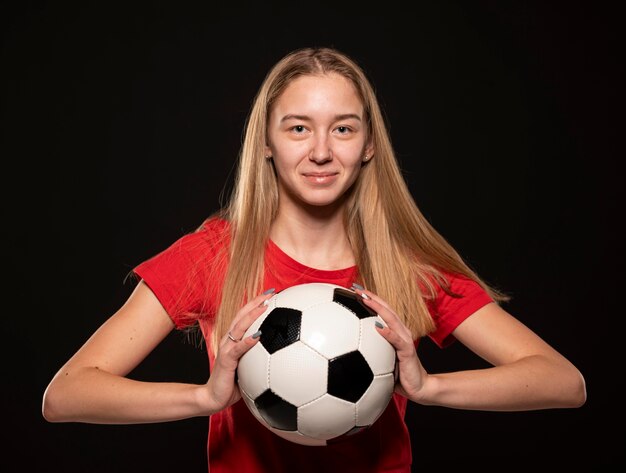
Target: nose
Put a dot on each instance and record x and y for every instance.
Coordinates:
(321, 151)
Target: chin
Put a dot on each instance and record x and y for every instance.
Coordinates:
(325, 201)
(320, 197)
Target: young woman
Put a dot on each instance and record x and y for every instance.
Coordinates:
(319, 197)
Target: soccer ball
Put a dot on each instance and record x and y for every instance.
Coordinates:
(321, 371)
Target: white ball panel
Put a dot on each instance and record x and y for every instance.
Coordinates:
(326, 417)
(253, 371)
(298, 374)
(379, 353)
(299, 438)
(297, 297)
(375, 400)
(330, 329)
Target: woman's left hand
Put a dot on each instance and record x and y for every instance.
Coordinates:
(412, 375)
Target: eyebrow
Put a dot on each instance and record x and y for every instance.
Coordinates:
(344, 116)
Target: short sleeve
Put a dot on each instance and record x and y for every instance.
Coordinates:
(448, 311)
(186, 276)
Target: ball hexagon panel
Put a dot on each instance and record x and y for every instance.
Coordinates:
(330, 329)
(294, 298)
(280, 328)
(326, 417)
(380, 355)
(349, 376)
(252, 371)
(298, 374)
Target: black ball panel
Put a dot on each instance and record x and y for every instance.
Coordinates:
(276, 411)
(280, 328)
(349, 376)
(356, 430)
(353, 431)
(353, 302)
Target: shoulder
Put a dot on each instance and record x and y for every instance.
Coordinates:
(458, 297)
(186, 276)
(210, 238)
(458, 286)
(214, 226)
(192, 249)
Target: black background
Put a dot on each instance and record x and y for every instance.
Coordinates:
(120, 125)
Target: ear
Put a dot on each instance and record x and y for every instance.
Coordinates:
(268, 151)
(368, 153)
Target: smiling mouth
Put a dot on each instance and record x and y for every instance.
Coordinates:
(320, 178)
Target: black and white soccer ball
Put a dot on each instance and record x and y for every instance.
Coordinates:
(321, 371)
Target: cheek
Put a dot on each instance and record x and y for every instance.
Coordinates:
(289, 152)
(354, 174)
(354, 162)
(352, 171)
(352, 153)
(285, 168)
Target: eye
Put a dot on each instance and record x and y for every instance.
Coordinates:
(343, 130)
(298, 129)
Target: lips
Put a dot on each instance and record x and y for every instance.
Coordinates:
(320, 178)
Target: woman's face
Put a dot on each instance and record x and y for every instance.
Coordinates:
(318, 139)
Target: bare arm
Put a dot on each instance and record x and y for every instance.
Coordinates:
(527, 373)
(92, 386)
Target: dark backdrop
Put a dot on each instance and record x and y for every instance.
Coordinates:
(120, 125)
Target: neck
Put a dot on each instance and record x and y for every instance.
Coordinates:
(315, 238)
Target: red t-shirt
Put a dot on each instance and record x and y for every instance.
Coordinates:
(187, 279)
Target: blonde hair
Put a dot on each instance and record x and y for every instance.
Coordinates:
(399, 255)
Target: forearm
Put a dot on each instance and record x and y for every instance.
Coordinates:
(530, 383)
(96, 396)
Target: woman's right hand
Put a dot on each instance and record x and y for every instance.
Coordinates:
(222, 390)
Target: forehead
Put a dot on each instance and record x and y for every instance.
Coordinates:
(310, 93)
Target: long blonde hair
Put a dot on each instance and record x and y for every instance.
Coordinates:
(394, 245)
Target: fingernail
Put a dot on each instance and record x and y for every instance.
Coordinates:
(268, 291)
(357, 286)
(365, 296)
(257, 334)
(266, 302)
(378, 324)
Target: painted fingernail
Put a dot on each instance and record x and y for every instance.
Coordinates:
(378, 324)
(365, 296)
(266, 302)
(268, 291)
(257, 334)
(357, 286)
